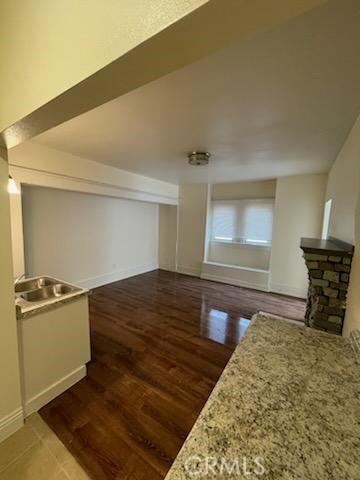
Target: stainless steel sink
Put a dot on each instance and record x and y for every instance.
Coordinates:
(34, 294)
(48, 292)
(33, 284)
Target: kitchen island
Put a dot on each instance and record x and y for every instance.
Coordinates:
(287, 406)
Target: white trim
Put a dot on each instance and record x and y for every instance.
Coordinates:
(44, 397)
(177, 237)
(236, 282)
(112, 277)
(237, 267)
(286, 290)
(208, 222)
(40, 178)
(186, 270)
(11, 423)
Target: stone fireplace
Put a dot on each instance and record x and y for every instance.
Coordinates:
(329, 265)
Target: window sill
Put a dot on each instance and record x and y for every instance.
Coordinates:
(235, 267)
(220, 242)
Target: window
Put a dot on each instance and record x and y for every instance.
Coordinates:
(247, 221)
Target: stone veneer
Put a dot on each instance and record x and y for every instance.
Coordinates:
(329, 274)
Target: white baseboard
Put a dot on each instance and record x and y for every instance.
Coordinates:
(101, 280)
(11, 423)
(194, 272)
(168, 268)
(291, 291)
(34, 404)
(233, 281)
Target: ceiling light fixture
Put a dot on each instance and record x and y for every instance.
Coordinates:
(199, 158)
(12, 187)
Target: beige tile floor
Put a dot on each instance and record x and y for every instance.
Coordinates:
(35, 453)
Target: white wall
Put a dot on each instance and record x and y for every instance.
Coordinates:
(249, 189)
(192, 219)
(35, 164)
(10, 400)
(299, 207)
(17, 236)
(242, 255)
(343, 187)
(352, 318)
(168, 237)
(233, 275)
(88, 239)
(344, 190)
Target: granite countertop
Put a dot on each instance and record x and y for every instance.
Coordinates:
(288, 401)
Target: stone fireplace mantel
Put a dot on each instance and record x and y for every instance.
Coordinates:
(329, 265)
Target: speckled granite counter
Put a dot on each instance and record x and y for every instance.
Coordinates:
(288, 401)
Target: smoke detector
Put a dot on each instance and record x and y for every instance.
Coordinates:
(199, 158)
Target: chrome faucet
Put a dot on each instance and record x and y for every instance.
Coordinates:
(17, 279)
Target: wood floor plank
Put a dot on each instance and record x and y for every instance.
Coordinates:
(159, 344)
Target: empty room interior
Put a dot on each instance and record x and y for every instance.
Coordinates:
(180, 240)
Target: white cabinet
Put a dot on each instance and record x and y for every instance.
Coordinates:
(54, 349)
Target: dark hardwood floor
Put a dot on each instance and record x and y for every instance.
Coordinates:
(159, 344)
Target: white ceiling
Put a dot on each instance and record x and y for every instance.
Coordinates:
(280, 104)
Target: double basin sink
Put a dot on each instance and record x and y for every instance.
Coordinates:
(42, 289)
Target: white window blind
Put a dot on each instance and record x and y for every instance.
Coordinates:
(246, 221)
